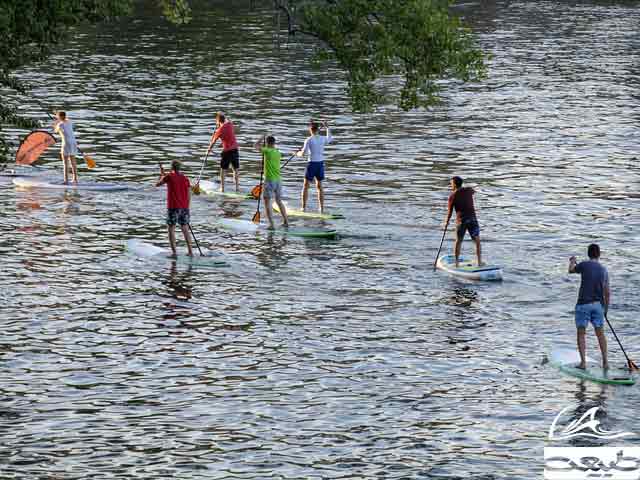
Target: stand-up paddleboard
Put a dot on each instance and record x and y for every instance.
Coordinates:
(566, 360)
(212, 189)
(467, 269)
(250, 227)
(31, 182)
(143, 249)
(293, 212)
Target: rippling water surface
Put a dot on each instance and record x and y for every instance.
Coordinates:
(308, 358)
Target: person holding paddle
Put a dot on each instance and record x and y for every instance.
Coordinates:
(462, 201)
(63, 127)
(178, 197)
(314, 148)
(593, 301)
(272, 187)
(225, 131)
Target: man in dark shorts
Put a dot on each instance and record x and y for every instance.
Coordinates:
(225, 131)
(593, 301)
(178, 197)
(462, 200)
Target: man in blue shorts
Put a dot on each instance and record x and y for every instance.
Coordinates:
(593, 301)
(314, 148)
(462, 201)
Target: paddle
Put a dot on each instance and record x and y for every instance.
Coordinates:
(256, 216)
(257, 190)
(195, 239)
(435, 262)
(196, 188)
(630, 363)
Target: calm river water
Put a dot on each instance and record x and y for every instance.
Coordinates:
(319, 359)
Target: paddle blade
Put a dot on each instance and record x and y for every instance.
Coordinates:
(256, 191)
(91, 163)
(632, 366)
(196, 189)
(256, 217)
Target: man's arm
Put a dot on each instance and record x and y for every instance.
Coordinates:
(572, 264)
(607, 294)
(304, 150)
(259, 144)
(329, 138)
(163, 177)
(449, 211)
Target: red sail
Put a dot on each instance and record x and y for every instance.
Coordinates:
(33, 146)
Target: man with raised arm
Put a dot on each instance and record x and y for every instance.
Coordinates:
(593, 301)
(225, 131)
(314, 148)
(462, 201)
(178, 198)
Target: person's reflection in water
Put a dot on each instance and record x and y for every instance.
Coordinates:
(585, 402)
(270, 254)
(178, 286)
(71, 202)
(462, 297)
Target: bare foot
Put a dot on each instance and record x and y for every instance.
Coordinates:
(285, 225)
(173, 255)
(582, 366)
(190, 254)
(605, 365)
(481, 264)
(271, 227)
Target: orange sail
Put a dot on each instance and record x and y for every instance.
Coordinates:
(33, 146)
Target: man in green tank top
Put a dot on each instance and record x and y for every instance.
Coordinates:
(272, 187)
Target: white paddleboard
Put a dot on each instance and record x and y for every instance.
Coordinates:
(25, 182)
(468, 269)
(293, 212)
(212, 189)
(250, 227)
(144, 249)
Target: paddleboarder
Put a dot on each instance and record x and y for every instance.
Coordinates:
(593, 301)
(63, 127)
(225, 131)
(178, 197)
(314, 148)
(461, 199)
(272, 187)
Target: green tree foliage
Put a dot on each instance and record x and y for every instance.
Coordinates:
(374, 41)
(418, 41)
(29, 29)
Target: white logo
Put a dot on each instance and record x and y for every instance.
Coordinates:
(583, 426)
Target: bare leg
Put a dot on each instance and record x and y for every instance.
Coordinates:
(172, 239)
(478, 250)
(222, 179)
(74, 168)
(602, 341)
(236, 178)
(320, 196)
(456, 250)
(65, 169)
(283, 211)
(582, 347)
(187, 238)
(305, 194)
(269, 209)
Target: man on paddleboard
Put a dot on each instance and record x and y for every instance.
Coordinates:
(462, 200)
(225, 131)
(63, 127)
(272, 187)
(593, 301)
(178, 197)
(314, 148)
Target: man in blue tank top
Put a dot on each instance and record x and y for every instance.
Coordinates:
(593, 301)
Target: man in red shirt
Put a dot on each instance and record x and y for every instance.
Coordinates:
(462, 200)
(178, 196)
(229, 156)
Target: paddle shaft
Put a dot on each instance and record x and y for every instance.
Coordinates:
(256, 217)
(435, 262)
(629, 361)
(195, 240)
(204, 162)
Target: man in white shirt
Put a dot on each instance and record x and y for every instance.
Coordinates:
(314, 149)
